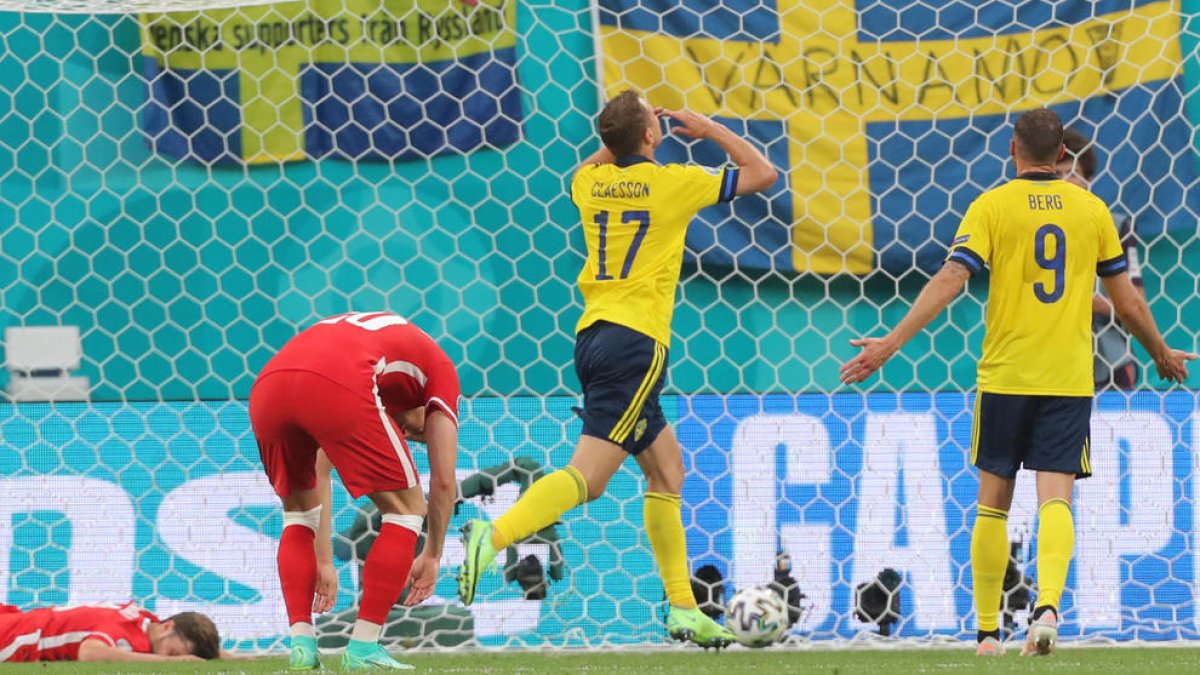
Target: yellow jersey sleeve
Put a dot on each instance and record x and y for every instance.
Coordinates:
(972, 245)
(1111, 260)
(580, 177)
(695, 187)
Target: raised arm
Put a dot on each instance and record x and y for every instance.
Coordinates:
(756, 173)
(601, 156)
(1135, 314)
(441, 437)
(941, 289)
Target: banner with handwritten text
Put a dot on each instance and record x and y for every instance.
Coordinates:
(886, 118)
(354, 79)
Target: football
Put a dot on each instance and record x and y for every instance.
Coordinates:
(756, 616)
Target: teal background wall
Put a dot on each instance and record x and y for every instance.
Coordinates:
(186, 278)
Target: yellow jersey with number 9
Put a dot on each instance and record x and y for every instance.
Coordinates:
(635, 216)
(1045, 240)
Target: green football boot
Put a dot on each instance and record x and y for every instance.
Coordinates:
(477, 539)
(304, 654)
(692, 624)
(361, 655)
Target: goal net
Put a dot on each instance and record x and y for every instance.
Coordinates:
(181, 192)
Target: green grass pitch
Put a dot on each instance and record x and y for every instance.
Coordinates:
(1090, 660)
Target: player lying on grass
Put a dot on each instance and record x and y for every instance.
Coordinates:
(340, 386)
(635, 215)
(104, 632)
(1046, 241)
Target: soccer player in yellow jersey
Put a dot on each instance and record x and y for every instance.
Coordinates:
(1045, 241)
(635, 214)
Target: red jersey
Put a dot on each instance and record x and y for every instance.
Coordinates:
(377, 355)
(55, 633)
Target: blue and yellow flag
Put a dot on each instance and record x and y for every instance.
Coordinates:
(355, 79)
(888, 117)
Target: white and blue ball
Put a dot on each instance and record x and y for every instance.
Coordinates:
(757, 616)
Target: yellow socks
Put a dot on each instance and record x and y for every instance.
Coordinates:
(989, 560)
(556, 493)
(989, 557)
(1056, 540)
(664, 527)
(542, 504)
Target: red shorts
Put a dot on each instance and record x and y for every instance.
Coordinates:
(295, 412)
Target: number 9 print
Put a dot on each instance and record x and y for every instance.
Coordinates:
(1056, 263)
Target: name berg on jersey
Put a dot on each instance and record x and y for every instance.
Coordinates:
(623, 189)
(1045, 202)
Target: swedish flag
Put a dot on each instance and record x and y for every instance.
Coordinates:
(355, 79)
(890, 116)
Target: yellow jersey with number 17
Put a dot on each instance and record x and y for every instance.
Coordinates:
(1045, 240)
(635, 216)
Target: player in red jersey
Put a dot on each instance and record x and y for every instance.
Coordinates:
(354, 386)
(104, 632)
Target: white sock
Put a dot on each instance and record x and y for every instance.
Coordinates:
(303, 629)
(365, 631)
(310, 518)
(408, 522)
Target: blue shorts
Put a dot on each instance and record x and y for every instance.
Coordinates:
(622, 373)
(1041, 433)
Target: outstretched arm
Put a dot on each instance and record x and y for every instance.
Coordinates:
(756, 172)
(941, 289)
(1135, 314)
